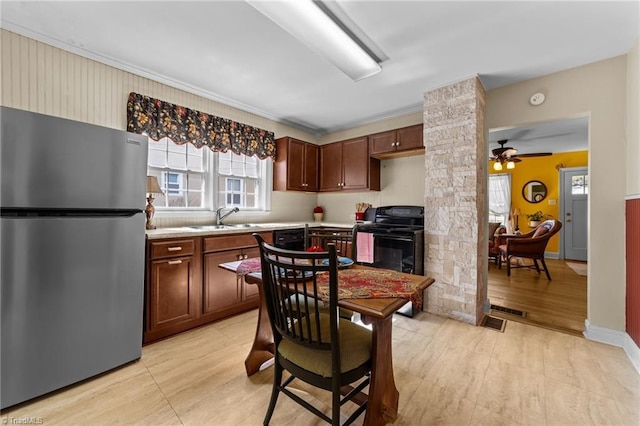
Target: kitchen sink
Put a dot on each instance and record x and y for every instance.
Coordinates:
(229, 226)
(208, 227)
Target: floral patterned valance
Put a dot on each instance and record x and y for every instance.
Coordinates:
(160, 119)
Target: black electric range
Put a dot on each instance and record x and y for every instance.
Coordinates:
(398, 239)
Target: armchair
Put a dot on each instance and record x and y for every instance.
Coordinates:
(495, 230)
(530, 245)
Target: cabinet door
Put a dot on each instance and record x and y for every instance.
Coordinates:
(172, 300)
(311, 159)
(250, 291)
(382, 143)
(410, 138)
(222, 290)
(331, 167)
(355, 162)
(296, 165)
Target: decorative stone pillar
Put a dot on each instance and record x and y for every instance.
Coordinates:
(456, 215)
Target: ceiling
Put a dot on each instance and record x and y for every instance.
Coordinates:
(229, 52)
(551, 136)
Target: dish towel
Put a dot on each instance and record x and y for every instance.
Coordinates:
(364, 246)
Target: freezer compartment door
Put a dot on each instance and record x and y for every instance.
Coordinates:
(72, 300)
(51, 162)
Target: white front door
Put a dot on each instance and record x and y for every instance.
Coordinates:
(574, 184)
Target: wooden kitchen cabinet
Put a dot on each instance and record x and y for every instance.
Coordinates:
(296, 165)
(185, 288)
(396, 143)
(346, 165)
(171, 297)
(226, 294)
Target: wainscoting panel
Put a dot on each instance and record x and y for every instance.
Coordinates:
(633, 268)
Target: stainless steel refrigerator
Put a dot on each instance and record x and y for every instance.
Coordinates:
(72, 240)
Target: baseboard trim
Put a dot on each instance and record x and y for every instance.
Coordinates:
(551, 255)
(614, 338)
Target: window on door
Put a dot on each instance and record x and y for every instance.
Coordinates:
(580, 185)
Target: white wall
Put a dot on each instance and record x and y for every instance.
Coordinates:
(597, 90)
(633, 120)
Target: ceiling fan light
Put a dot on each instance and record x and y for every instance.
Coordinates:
(497, 166)
(511, 165)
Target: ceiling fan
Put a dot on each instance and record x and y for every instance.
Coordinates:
(509, 156)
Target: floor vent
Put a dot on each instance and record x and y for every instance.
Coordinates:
(509, 311)
(494, 323)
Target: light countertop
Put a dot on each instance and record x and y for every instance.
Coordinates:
(204, 230)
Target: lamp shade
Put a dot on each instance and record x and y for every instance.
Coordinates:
(153, 187)
(516, 212)
(497, 166)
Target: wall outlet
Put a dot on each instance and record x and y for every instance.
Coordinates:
(552, 201)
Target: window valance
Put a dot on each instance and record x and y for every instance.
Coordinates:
(160, 119)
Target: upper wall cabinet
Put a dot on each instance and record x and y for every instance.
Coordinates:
(346, 165)
(296, 165)
(397, 143)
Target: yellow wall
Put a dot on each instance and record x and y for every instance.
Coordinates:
(542, 169)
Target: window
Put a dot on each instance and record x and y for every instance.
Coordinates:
(180, 170)
(200, 179)
(238, 180)
(499, 198)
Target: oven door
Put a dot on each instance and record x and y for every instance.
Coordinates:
(396, 252)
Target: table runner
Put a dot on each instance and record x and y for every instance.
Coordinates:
(248, 266)
(357, 283)
(371, 284)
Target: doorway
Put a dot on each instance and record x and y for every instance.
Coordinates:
(574, 194)
(560, 304)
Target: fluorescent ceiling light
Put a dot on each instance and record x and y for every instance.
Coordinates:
(308, 23)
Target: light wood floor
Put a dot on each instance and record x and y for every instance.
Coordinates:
(559, 304)
(447, 372)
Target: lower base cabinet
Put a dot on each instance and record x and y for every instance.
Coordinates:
(185, 288)
(172, 288)
(225, 293)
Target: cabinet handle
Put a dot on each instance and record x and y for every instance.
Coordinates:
(174, 248)
(397, 144)
(174, 262)
(246, 256)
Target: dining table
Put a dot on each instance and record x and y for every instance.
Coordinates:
(383, 396)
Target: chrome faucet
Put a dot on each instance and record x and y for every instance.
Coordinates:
(220, 217)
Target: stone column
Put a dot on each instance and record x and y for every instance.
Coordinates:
(456, 216)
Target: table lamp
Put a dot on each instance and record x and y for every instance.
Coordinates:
(153, 187)
(516, 213)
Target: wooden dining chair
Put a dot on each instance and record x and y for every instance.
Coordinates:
(342, 238)
(311, 344)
